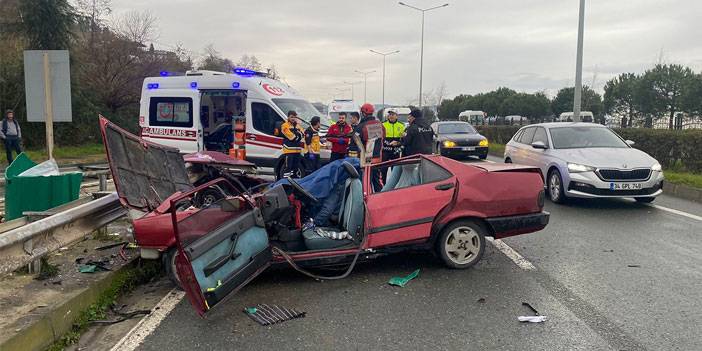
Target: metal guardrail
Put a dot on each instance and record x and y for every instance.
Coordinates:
(27, 243)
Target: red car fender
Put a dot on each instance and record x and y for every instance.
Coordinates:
(448, 214)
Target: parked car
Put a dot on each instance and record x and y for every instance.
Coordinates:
(445, 205)
(459, 139)
(586, 160)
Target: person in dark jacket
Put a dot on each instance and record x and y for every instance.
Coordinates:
(370, 128)
(419, 137)
(354, 120)
(11, 134)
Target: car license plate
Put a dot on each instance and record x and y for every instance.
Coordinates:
(625, 186)
(468, 148)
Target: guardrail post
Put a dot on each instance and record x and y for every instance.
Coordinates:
(33, 267)
(103, 181)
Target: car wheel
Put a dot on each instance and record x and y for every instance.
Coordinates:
(168, 260)
(462, 244)
(555, 187)
(645, 200)
(207, 197)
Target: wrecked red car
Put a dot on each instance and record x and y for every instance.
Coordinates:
(426, 201)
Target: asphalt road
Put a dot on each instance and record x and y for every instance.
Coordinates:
(609, 275)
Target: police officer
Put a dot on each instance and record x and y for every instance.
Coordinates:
(293, 139)
(419, 136)
(393, 132)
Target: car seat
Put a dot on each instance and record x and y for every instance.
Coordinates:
(351, 216)
(402, 176)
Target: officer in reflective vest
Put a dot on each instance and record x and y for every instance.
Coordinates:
(394, 131)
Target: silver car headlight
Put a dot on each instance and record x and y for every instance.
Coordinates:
(657, 167)
(578, 168)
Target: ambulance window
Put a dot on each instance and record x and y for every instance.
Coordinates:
(264, 118)
(171, 112)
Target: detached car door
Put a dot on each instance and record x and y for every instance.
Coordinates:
(413, 195)
(220, 249)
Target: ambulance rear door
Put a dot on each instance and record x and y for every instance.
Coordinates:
(172, 119)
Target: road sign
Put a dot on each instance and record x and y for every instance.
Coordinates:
(58, 96)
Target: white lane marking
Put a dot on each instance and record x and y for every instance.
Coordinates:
(513, 255)
(150, 322)
(677, 212)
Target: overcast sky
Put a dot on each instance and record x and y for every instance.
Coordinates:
(471, 45)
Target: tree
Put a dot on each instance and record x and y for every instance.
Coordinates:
(661, 89)
(250, 62)
(47, 24)
(620, 98)
(590, 101)
(137, 27)
(213, 61)
(94, 11)
(692, 95)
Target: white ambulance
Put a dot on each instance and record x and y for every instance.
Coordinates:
(337, 106)
(197, 111)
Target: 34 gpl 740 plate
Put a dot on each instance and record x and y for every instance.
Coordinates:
(625, 186)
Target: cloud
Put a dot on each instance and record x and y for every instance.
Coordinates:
(473, 46)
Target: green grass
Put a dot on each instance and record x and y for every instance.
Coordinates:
(496, 150)
(690, 179)
(65, 154)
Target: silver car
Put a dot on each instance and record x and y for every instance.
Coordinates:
(586, 160)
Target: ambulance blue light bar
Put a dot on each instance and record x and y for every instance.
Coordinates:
(245, 72)
(235, 85)
(165, 73)
(193, 85)
(152, 86)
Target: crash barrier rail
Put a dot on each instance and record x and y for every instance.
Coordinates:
(28, 239)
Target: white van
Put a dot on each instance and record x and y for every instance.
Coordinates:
(191, 112)
(476, 118)
(338, 106)
(585, 116)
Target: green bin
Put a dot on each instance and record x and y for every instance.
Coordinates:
(36, 193)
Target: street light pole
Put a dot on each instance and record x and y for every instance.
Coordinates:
(365, 83)
(579, 65)
(421, 50)
(384, 55)
(353, 95)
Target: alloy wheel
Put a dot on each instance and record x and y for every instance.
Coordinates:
(462, 245)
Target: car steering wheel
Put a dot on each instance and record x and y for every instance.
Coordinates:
(301, 190)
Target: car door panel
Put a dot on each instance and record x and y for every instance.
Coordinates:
(221, 248)
(406, 214)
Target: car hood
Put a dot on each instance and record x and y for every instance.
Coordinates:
(619, 158)
(461, 136)
(145, 174)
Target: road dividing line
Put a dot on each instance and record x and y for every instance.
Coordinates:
(513, 255)
(150, 322)
(677, 212)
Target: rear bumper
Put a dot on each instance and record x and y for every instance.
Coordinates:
(514, 225)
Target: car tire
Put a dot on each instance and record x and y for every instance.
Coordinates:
(207, 197)
(508, 160)
(462, 244)
(555, 187)
(645, 200)
(168, 261)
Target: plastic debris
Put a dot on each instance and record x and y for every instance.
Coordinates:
(219, 283)
(267, 315)
(44, 169)
(532, 319)
(402, 281)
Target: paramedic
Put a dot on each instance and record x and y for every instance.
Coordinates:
(367, 129)
(355, 120)
(338, 136)
(313, 144)
(293, 138)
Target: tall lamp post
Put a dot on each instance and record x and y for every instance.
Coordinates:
(421, 52)
(579, 65)
(365, 82)
(385, 54)
(353, 95)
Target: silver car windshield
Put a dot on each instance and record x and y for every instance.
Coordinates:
(585, 137)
